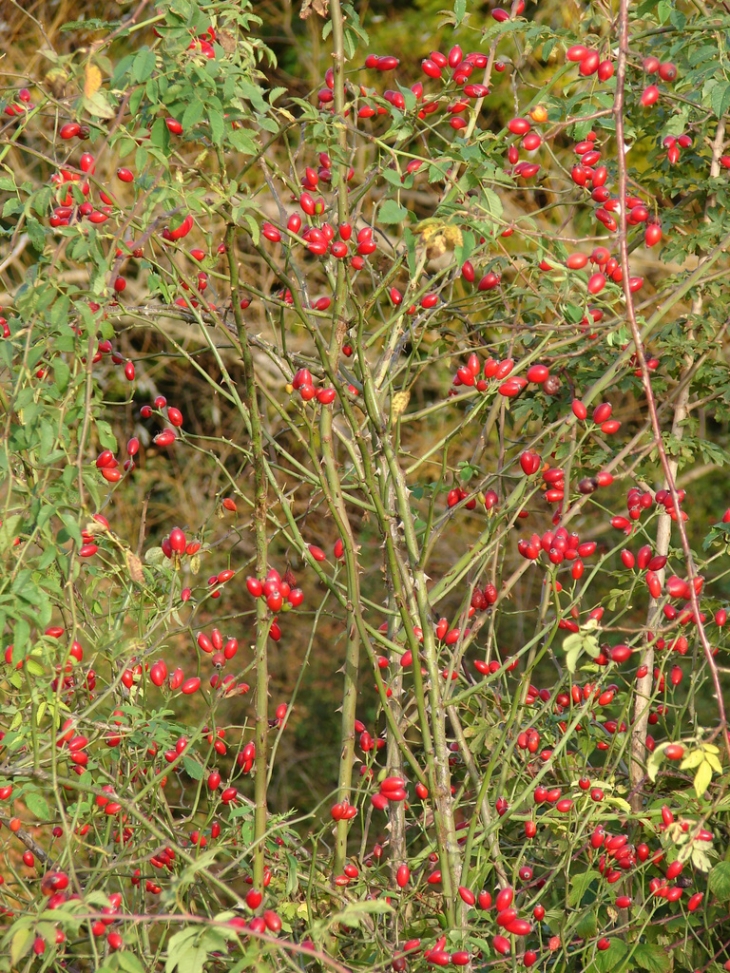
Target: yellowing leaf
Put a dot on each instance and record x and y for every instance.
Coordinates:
(20, 944)
(714, 762)
(703, 777)
(693, 759)
(700, 860)
(98, 105)
(92, 80)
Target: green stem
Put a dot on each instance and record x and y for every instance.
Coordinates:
(262, 619)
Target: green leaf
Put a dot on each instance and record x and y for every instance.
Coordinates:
(576, 644)
(215, 120)
(127, 961)
(459, 11)
(611, 960)
(143, 65)
(653, 958)
(8, 531)
(192, 114)
(491, 203)
(160, 135)
(579, 885)
(718, 881)
(38, 805)
(355, 912)
(20, 943)
(192, 768)
(392, 212)
(720, 98)
(61, 374)
(106, 437)
(242, 141)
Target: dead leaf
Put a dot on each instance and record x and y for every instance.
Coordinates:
(92, 80)
(134, 566)
(227, 41)
(320, 7)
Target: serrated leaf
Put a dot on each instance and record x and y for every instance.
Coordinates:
(719, 881)
(155, 556)
(713, 762)
(192, 114)
(491, 203)
(355, 912)
(37, 805)
(611, 960)
(20, 944)
(215, 120)
(242, 141)
(653, 958)
(98, 105)
(703, 778)
(143, 65)
(720, 98)
(392, 212)
(693, 759)
(699, 859)
(192, 768)
(61, 374)
(579, 885)
(106, 437)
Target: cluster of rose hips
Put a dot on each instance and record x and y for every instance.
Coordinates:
(21, 106)
(589, 62)
(434, 66)
(666, 71)
(303, 383)
(64, 674)
(474, 375)
(67, 207)
(219, 649)
(588, 173)
(54, 885)
(320, 240)
(108, 464)
(105, 348)
(559, 545)
(177, 545)
(280, 594)
(392, 790)
(158, 674)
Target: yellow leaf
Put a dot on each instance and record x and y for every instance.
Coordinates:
(700, 860)
(703, 778)
(714, 763)
(92, 80)
(693, 759)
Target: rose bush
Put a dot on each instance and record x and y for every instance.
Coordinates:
(430, 364)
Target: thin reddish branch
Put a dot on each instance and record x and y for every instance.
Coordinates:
(619, 104)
